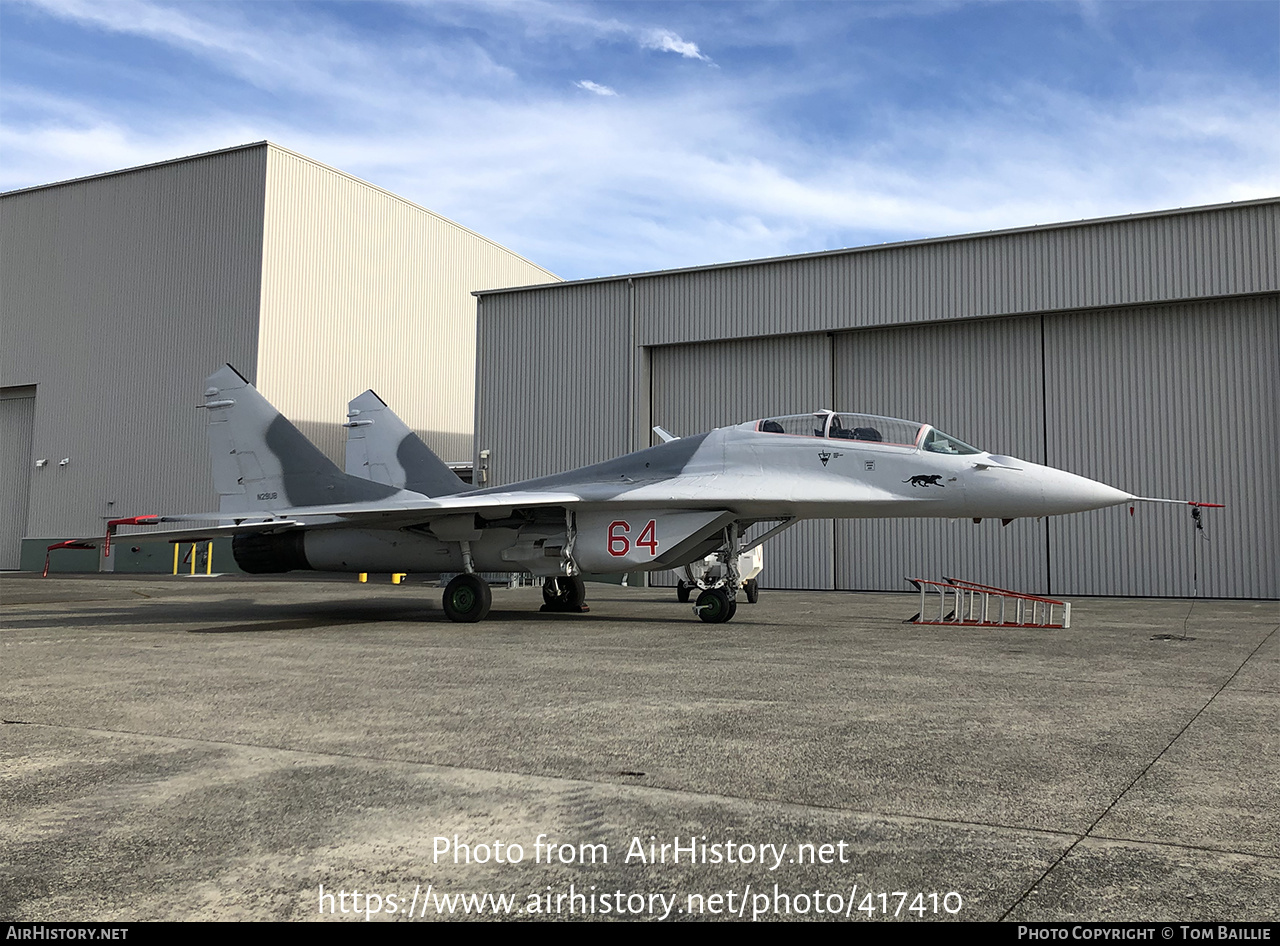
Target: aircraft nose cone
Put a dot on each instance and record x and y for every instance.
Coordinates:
(1066, 492)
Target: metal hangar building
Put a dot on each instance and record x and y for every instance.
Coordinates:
(1142, 351)
(121, 292)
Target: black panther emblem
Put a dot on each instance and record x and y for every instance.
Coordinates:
(935, 480)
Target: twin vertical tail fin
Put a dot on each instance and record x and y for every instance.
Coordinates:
(382, 448)
(262, 463)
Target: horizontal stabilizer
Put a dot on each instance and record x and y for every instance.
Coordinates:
(198, 534)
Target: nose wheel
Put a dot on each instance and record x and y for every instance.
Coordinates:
(715, 606)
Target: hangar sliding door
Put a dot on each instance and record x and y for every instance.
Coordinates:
(697, 387)
(1177, 401)
(17, 419)
(977, 380)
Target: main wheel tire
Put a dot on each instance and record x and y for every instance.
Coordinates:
(682, 591)
(575, 592)
(564, 593)
(715, 606)
(467, 599)
(752, 588)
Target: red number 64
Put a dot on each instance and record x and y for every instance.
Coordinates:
(620, 541)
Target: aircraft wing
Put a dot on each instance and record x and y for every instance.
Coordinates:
(483, 504)
(490, 506)
(355, 515)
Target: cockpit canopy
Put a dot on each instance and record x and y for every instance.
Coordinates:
(935, 441)
(891, 431)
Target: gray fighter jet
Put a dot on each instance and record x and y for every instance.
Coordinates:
(289, 507)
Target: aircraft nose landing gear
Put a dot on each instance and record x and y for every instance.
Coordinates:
(715, 606)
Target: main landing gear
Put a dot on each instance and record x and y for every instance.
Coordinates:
(467, 599)
(561, 593)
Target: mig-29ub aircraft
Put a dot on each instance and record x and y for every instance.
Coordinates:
(289, 507)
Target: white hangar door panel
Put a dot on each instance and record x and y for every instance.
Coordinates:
(978, 380)
(697, 387)
(1176, 401)
(17, 418)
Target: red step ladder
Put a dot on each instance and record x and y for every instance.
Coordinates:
(975, 605)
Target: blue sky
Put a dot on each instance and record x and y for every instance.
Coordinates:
(599, 138)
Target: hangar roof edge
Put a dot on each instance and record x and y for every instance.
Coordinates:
(874, 247)
(297, 154)
(405, 200)
(140, 167)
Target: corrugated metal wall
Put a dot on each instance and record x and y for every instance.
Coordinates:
(978, 380)
(360, 289)
(1175, 401)
(120, 294)
(123, 291)
(698, 387)
(1086, 374)
(1184, 255)
(17, 423)
(554, 392)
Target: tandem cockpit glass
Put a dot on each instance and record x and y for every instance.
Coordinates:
(834, 425)
(935, 441)
(871, 428)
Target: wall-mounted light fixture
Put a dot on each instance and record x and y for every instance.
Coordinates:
(42, 463)
(64, 461)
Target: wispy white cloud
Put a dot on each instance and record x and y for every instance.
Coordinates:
(70, 139)
(276, 48)
(690, 173)
(669, 42)
(595, 87)
(578, 21)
